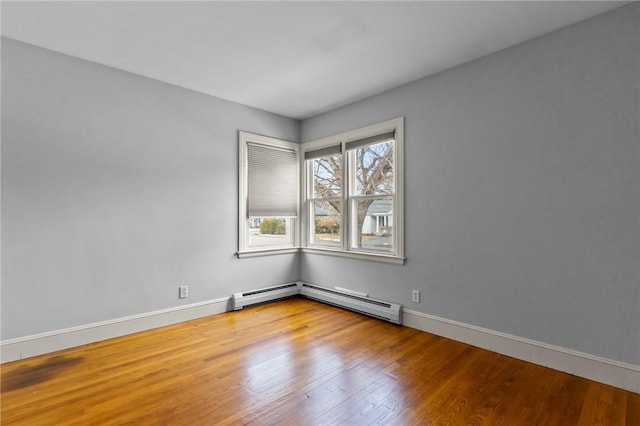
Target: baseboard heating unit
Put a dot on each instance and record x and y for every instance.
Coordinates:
(381, 309)
(267, 294)
(387, 311)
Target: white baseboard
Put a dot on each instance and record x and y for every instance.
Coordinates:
(38, 344)
(603, 370)
(614, 373)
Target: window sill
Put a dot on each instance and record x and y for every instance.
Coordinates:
(373, 257)
(266, 252)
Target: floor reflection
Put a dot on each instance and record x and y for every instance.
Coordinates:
(315, 375)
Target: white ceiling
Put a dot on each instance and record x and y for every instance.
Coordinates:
(297, 59)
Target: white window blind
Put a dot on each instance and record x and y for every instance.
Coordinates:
(272, 178)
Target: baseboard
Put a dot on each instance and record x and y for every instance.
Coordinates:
(38, 344)
(603, 370)
(614, 373)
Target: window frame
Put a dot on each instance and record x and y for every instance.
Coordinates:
(348, 194)
(244, 249)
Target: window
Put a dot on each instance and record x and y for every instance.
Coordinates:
(324, 204)
(268, 195)
(353, 193)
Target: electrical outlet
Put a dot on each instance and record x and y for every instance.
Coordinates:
(415, 296)
(183, 291)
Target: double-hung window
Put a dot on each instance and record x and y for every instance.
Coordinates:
(354, 193)
(268, 195)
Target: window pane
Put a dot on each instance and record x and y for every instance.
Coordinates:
(269, 232)
(326, 217)
(327, 177)
(374, 169)
(374, 230)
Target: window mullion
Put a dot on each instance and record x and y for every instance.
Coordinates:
(349, 177)
(328, 199)
(370, 197)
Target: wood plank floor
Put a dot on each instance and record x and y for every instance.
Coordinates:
(298, 362)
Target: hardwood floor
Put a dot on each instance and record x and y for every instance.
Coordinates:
(298, 362)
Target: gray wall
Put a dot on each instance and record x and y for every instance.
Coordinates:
(115, 190)
(522, 190)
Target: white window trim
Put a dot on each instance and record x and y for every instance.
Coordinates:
(243, 232)
(396, 125)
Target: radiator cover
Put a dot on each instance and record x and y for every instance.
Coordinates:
(267, 294)
(381, 309)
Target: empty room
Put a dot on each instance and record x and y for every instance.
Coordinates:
(320, 213)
